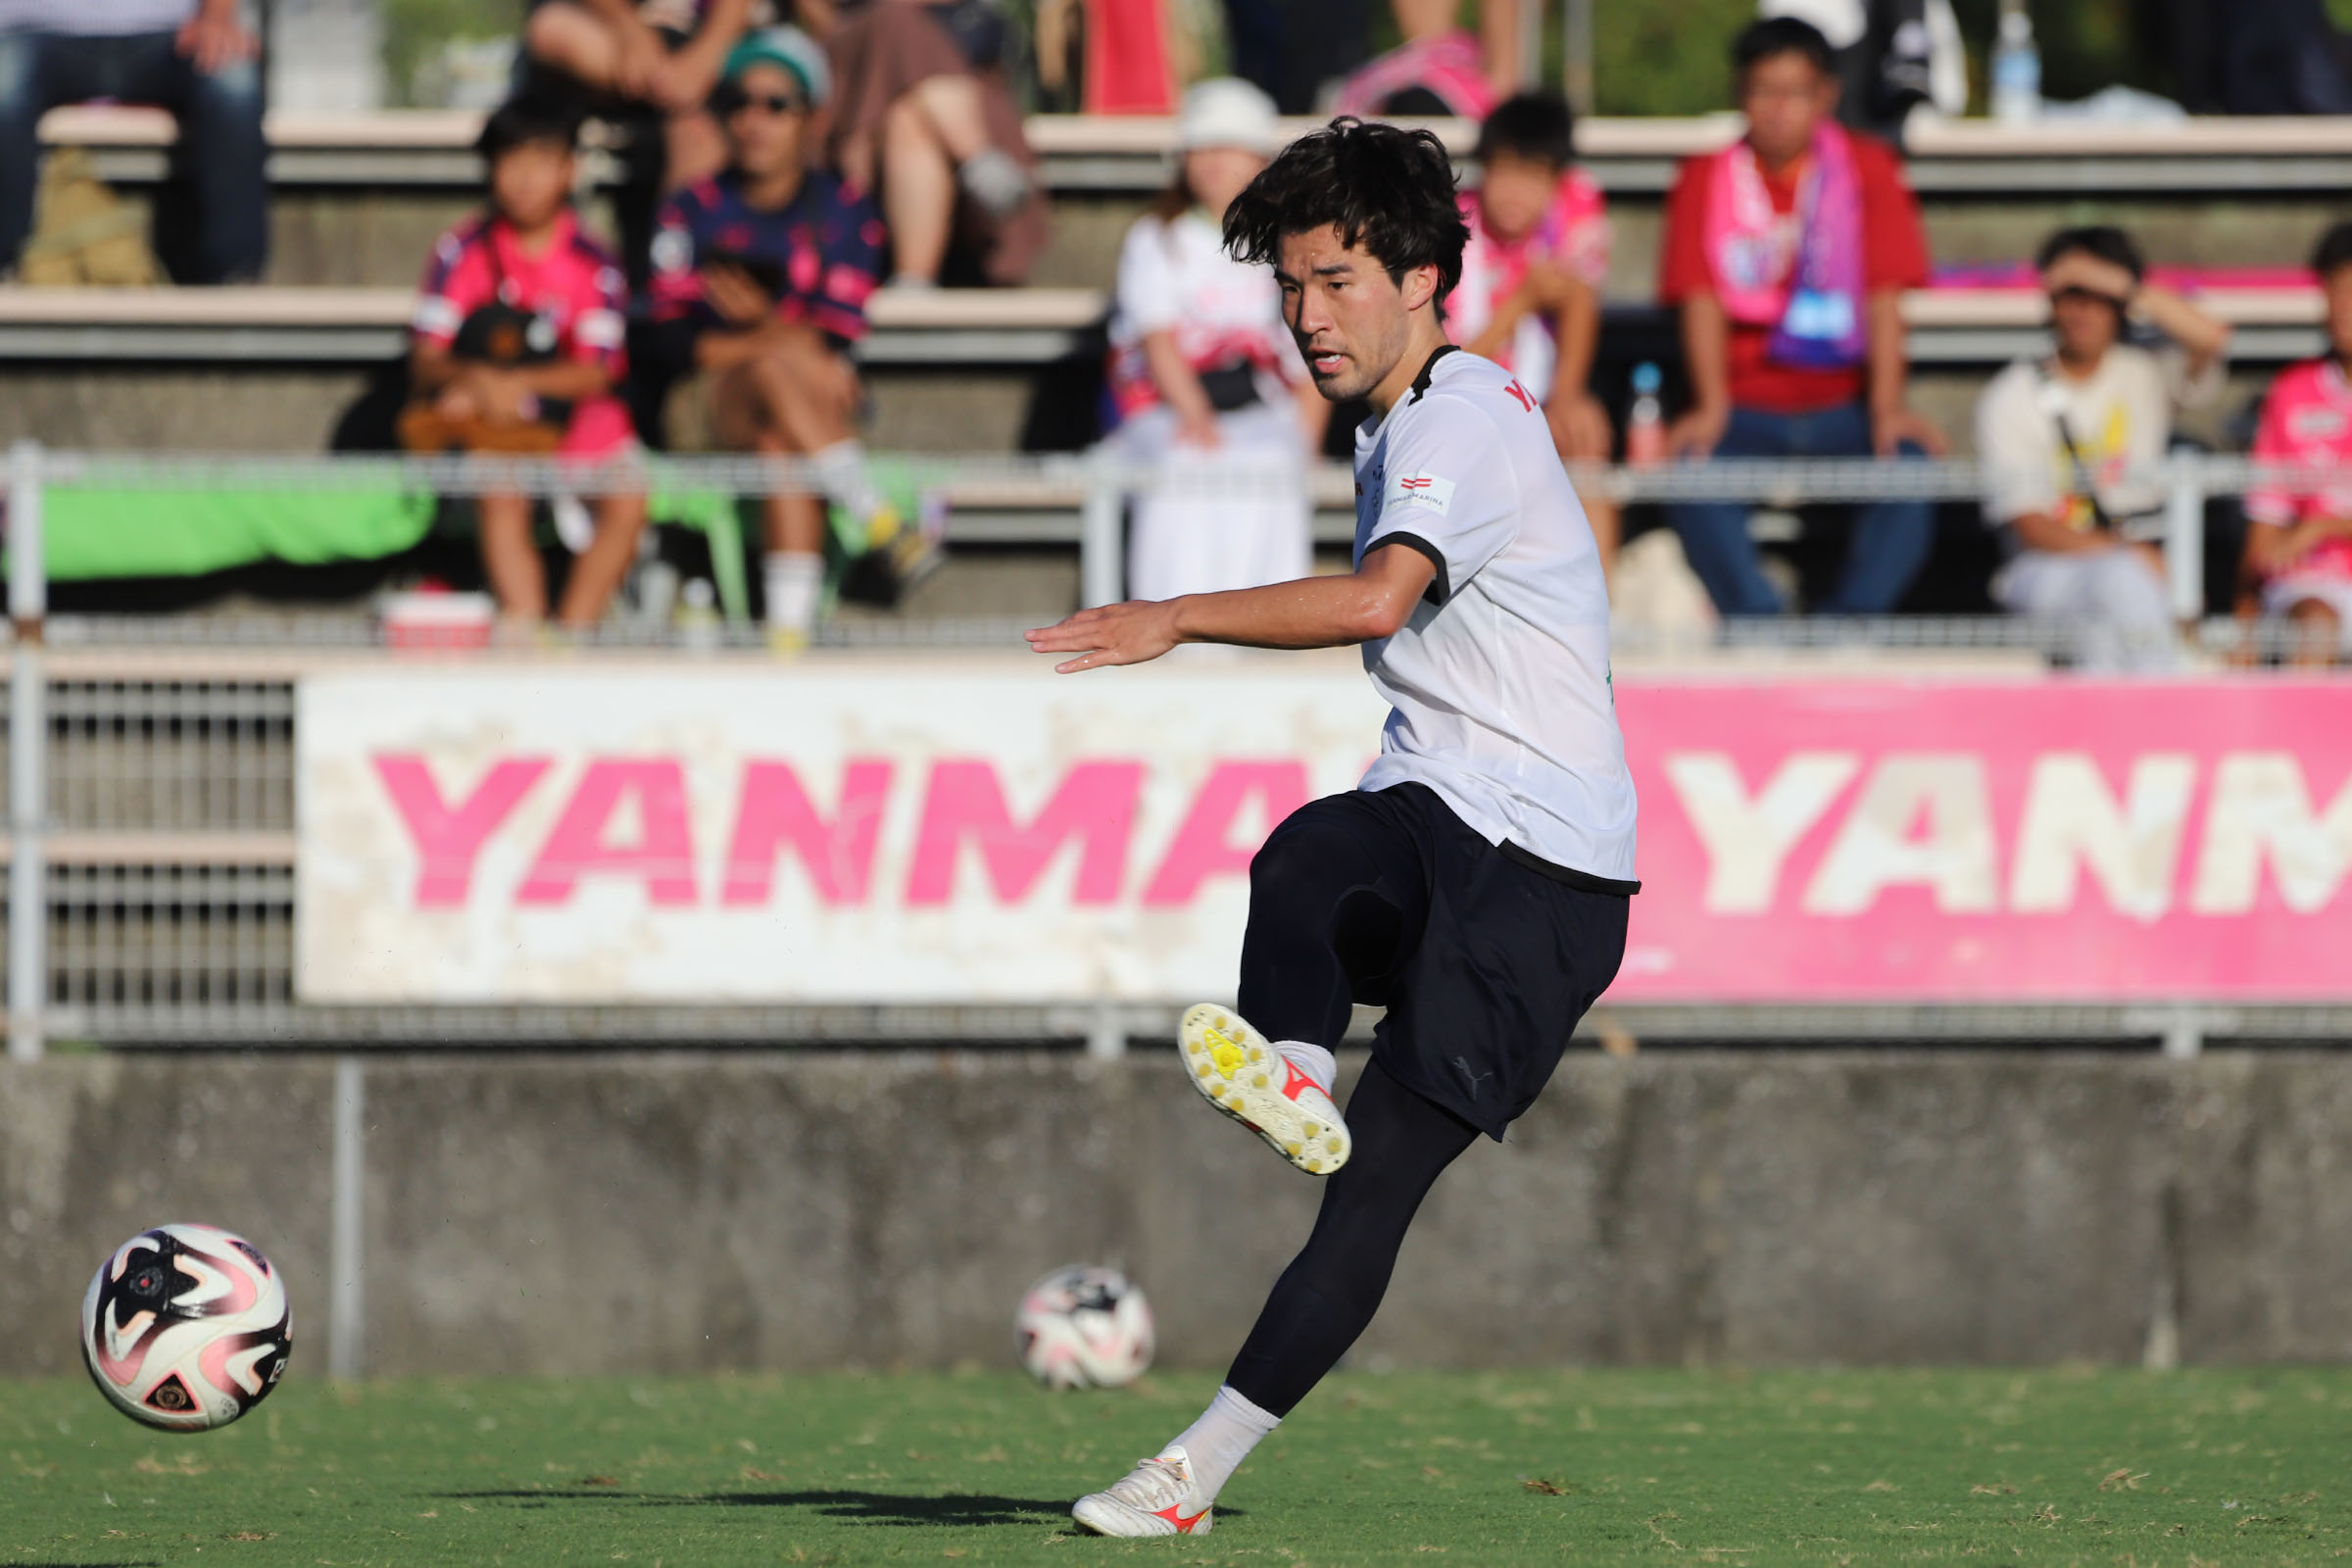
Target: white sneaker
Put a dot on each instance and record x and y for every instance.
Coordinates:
(1236, 1071)
(1158, 1499)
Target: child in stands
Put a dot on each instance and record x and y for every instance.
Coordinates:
(1532, 271)
(517, 348)
(2298, 560)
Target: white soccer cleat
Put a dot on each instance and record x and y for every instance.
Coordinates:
(1158, 1499)
(1239, 1073)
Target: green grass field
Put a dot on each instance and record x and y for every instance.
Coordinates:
(1666, 1467)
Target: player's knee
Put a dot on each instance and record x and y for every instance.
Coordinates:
(1295, 856)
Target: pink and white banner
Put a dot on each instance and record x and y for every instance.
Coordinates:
(924, 831)
(2042, 841)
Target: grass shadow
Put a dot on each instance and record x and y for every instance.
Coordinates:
(948, 1510)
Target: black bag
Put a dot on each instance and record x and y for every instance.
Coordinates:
(1231, 388)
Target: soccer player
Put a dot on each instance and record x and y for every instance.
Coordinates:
(1476, 882)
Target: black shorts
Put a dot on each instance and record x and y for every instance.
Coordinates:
(1485, 956)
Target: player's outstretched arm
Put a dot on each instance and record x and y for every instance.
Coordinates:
(1363, 606)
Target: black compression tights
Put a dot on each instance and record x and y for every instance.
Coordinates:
(1328, 1294)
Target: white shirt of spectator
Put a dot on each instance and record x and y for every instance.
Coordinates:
(1499, 683)
(2120, 417)
(1174, 276)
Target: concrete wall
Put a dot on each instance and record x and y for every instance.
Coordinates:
(584, 1214)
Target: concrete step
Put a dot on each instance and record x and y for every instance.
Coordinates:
(361, 197)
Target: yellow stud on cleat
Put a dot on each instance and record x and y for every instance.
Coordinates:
(1234, 1068)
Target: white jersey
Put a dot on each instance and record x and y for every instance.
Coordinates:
(1499, 682)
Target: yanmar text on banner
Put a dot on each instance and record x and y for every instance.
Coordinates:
(930, 831)
(883, 832)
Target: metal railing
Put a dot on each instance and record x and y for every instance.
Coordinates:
(151, 800)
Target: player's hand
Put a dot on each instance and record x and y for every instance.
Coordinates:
(738, 300)
(500, 396)
(1698, 432)
(682, 81)
(2082, 271)
(1889, 428)
(1199, 429)
(1114, 634)
(1548, 287)
(642, 58)
(212, 40)
(1580, 428)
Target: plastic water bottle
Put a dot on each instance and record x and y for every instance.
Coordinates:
(2016, 71)
(1645, 426)
(698, 621)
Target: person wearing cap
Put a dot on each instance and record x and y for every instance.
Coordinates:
(761, 275)
(1204, 374)
(517, 346)
(665, 54)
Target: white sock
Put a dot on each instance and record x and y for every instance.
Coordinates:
(1222, 1439)
(1311, 1060)
(793, 581)
(842, 473)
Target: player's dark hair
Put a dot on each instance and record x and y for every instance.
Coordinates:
(1385, 188)
(1762, 40)
(2104, 241)
(2334, 250)
(1538, 127)
(520, 122)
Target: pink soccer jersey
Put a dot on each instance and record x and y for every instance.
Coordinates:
(1573, 234)
(2307, 422)
(574, 286)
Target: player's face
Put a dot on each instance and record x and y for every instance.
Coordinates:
(530, 182)
(1215, 175)
(1351, 322)
(1513, 194)
(2337, 287)
(767, 119)
(2085, 323)
(1785, 99)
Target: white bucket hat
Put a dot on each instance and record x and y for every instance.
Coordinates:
(1227, 112)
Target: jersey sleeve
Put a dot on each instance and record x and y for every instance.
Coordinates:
(443, 299)
(2271, 503)
(1894, 244)
(1146, 286)
(1683, 258)
(1449, 492)
(2015, 444)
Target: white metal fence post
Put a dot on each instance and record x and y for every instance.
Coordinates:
(347, 1225)
(28, 759)
(1102, 538)
(2185, 535)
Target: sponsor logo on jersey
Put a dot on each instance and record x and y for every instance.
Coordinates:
(1426, 491)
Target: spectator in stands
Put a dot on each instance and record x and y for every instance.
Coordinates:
(1786, 255)
(923, 117)
(1439, 68)
(192, 57)
(1530, 294)
(664, 55)
(2298, 562)
(2060, 437)
(761, 278)
(1205, 375)
(516, 347)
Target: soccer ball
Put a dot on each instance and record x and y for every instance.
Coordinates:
(1084, 1327)
(185, 1328)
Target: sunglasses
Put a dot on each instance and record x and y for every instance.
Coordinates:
(772, 102)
